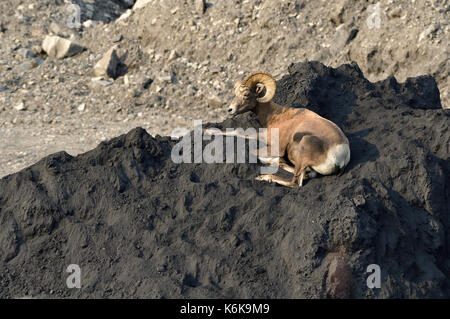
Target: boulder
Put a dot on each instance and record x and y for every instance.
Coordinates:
(60, 48)
(108, 66)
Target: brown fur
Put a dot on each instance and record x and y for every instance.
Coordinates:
(304, 136)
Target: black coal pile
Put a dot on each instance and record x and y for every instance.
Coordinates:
(139, 225)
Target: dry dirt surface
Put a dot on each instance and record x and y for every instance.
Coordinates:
(178, 60)
(140, 226)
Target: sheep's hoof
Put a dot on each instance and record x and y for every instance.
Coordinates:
(264, 178)
(310, 175)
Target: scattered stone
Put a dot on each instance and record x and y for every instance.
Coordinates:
(117, 38)
(157, 89)
(165, 78)
(359, 200)
(343, 36)
(108, 65)
(20, 107)
(22, 17)
(36, 49)
(146, 83)
(26, 66)
(135, 92)
(429, 31)
(173, 55)
(25, 53)
(81, 107)
(214, 101)
(395, 13)
(100, 82)
(132, 56)
(88, 24)
(3, 88)
(141, 4)
(337, 17)
(59, 30)
(60, 48)
(200, 6)
(124, 16)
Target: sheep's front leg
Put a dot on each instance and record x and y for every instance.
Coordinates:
(276, 179)
(262, 155)
(287, 167)
(296, 181)
(277, 161)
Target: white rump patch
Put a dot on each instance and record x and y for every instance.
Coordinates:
(337, 156)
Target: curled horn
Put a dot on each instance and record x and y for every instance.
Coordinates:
(264, 79)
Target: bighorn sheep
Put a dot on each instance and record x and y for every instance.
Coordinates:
(309, 141)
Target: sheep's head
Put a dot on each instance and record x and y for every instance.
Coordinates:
(259, 87)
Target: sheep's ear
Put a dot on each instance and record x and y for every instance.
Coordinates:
(259, 88)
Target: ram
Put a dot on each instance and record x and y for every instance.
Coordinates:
(310, 142)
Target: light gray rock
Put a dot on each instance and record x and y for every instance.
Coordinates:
(108, 64)
(141, 4)
(60, 48)
(125, 16)
(214, 101)
(429, 31)
(173, 55)
(200, 6)
(36, 49)
(20, 107)
(81, 107)
(343, 36)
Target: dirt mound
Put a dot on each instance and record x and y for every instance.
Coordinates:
(139, 225)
